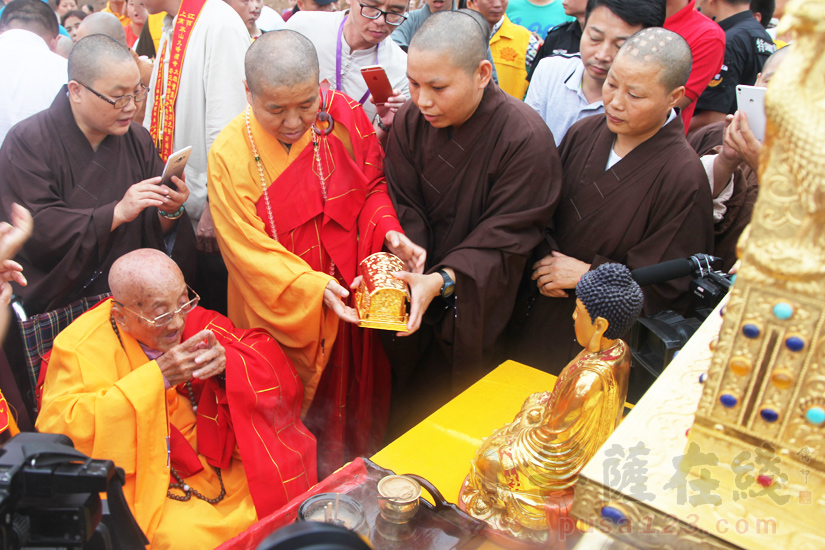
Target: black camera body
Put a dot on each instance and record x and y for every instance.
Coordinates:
(656, 339)
(50, 497)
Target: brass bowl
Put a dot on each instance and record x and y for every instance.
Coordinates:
(398, 500)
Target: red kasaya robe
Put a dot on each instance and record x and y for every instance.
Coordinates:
(351, 406)
(109, 398)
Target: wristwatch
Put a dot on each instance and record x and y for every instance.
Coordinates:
(448, 288)
(381, 124)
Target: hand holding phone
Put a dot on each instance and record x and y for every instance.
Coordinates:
(175, 165)
(751, 101)
(378, 83)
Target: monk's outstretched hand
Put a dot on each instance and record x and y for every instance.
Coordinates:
(201, 356)
(423, 288)
(12, 237)
(334, 295)
(413, 256)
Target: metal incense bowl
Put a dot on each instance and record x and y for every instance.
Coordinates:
(398, 502)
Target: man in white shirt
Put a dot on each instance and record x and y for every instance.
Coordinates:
(348, 40)
(33, 73)
(210, 93)
(191, 100)
(567, 88)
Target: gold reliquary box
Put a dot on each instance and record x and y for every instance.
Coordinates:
(381, 299)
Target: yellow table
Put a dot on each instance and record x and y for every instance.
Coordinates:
(441, 447)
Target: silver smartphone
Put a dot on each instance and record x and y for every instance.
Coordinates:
(174, 167)
(751, 101)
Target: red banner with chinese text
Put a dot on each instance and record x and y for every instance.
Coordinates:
(163, 127)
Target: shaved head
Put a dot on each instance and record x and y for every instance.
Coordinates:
(141, 274)
(31, 15)
(146, 285)
(280, 59)
(91, 56)
(455, 35)
(102, 23)
(64, 46)
(771, 65)
(666, 49)
(483, 23)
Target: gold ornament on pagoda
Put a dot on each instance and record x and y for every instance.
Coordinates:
(381, 299)
(765, 389)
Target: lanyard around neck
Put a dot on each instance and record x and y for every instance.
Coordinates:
(338, 53)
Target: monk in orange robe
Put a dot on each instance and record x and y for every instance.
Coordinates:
(202, 417)
(296, 205)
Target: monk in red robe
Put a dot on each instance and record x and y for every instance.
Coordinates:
(202, 417)
(298, 200)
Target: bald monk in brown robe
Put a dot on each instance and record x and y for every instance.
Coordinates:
(475, 178)
(634, 193)
(89, 176)
(106, 23)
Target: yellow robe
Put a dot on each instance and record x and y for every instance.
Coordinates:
(290, 305)
(110, 401)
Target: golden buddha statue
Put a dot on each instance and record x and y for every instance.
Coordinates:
(523, 475)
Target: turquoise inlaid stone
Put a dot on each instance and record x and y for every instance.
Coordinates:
(614, 515)
(751, 331)
(815, 415)
(795, 343)
(769, 415)
(783, 311)
(728, 400)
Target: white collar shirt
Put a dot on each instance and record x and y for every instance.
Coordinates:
(322, 30)
(211, 91)
(33, 75)
(555, 92)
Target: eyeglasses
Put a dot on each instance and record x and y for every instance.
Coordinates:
(122, 101)
(166, 318)
(371, 12)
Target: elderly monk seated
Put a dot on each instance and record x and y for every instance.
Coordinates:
(203, 417)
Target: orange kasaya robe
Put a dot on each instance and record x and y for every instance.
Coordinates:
(109, 398)
(279, 285)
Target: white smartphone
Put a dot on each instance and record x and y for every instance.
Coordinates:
(751, 101)
(174, 166)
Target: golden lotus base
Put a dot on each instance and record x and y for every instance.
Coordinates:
(384, 325)
(504, 531)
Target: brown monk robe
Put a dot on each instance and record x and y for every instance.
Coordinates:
(87, 175)
(475, 177)
(652, 205)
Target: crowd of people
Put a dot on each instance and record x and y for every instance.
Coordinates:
(521, 146)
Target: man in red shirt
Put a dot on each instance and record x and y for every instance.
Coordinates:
(707, 44)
